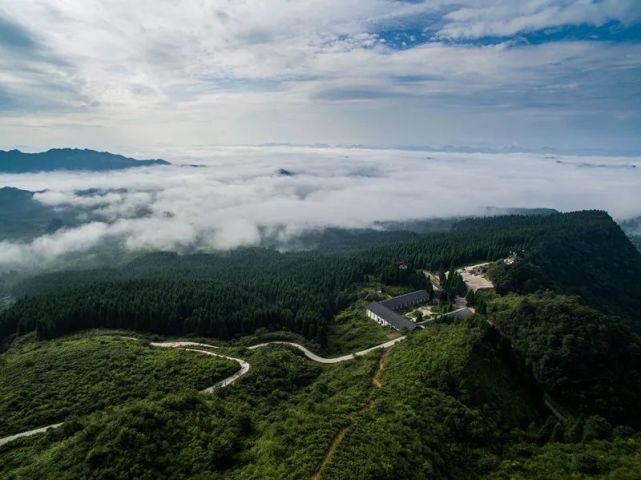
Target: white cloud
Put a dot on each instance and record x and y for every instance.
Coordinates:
(45, 250)
(236, 195)
(127, 74)
(507, 17)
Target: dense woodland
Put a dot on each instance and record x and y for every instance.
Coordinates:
(585, 360)
(233, 294)
(590, 257)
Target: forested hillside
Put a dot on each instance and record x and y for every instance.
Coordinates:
(217, 295)
(584, 253)
(586, 361)
(231, 294)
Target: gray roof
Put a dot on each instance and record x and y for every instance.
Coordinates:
(394, 319)
(413, 298)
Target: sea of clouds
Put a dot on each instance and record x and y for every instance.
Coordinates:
(222, 198)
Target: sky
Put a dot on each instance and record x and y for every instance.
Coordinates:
(155, 75)
(226, 197)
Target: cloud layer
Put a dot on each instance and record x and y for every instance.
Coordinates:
(156, 73)
(235, 195)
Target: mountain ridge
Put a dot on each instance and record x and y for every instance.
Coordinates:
(16, 161)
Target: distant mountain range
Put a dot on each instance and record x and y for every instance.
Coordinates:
(15, 161)
(619, 152)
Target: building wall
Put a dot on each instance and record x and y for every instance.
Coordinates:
(376, 318)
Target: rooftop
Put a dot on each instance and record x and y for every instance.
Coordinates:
(412, 298)
(394, 319)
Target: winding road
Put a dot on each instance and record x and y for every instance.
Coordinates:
(190, 347)
(28, 433)
(244, 367)
(316, 358)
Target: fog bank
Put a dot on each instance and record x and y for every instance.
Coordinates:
(212, 199)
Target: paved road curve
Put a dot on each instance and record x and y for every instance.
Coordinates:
(244, 367)
(344, 358)
(28, 433)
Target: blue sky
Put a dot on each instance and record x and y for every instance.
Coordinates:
(124, 75)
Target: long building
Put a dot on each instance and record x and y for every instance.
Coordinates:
(385, 312)
(419, 297)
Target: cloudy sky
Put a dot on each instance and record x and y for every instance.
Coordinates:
(155, 74)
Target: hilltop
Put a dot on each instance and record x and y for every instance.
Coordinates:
(15, 161)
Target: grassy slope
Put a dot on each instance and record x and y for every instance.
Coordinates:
(436, 414)
(275, 423)
(428, 412)
(293, 429)
(45, 382)
(447, 408)
(351, 331)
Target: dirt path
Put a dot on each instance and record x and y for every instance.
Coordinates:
(376, 381)
(338, 438)
(336, 441)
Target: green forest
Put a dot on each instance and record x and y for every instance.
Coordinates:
(233, 294)
(544, 382)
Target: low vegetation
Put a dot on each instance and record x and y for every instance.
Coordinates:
(44, 382)
(298, 408)
(350, 330)
(181, 436)
(452, 403)
(446, 404)
(276, 423)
